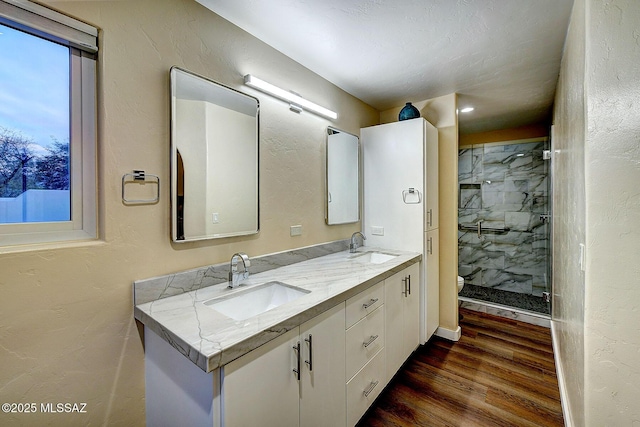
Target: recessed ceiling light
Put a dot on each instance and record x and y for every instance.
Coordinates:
(466, 110)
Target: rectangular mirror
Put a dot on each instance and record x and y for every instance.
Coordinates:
(214, 159)
(343, 177)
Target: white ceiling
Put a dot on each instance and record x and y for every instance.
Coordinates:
(501, 56)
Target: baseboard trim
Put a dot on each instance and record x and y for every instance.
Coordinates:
(564, 400)
(448, 334)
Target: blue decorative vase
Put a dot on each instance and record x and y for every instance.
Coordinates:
(408, 112)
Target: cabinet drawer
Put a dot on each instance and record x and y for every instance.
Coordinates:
(364, 340)
(364, 303)
(363, 389)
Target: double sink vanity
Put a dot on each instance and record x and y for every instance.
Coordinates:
(308, 343)
(307, 337)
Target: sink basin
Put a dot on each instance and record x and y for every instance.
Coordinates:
(373, 257)
(254, 301)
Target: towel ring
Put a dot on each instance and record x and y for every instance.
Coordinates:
(410, 192)
(140, 176)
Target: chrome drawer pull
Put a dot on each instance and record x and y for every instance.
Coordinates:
(370, 303)
(369, 389)
(371, 340)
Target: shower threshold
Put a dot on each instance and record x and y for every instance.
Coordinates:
(507, 299)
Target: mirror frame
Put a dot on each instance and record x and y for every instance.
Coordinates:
(174, 160)
(330, 131)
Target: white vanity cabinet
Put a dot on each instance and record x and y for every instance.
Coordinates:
(261, 388)
(402, 317)
(325, 372)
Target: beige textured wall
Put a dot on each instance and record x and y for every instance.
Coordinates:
(67, 332)
(441, 112)
(612, 171)
(569, 219)
(596, 166)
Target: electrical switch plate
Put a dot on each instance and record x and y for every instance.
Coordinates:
(296, 230)
(215, 217)
(377, 230)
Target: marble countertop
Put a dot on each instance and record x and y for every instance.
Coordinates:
(210, 339)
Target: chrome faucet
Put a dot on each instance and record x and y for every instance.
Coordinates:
(234, 277)
(354, 245)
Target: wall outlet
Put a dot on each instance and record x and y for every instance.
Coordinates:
(296, 230)
(376, 230)
(215, 217)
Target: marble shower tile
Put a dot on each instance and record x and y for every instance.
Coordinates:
(471, 275)
(538, 183)
(503, 280)
(465, 166)
(481, 258)
(492, 200)
(471, 217)
(516, 184)
(517, 221)
(516, 201)
(532, 262)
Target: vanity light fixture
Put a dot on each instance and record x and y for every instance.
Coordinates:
(297, 102)
(467, 110)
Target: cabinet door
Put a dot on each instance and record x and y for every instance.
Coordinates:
(431, 185)
(432, 281)
(394, 322)
(323, 400)
(411, 318)
(393, 156)
(260, 388)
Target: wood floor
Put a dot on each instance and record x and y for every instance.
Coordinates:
(500, 373)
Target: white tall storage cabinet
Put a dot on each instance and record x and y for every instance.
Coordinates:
(400, 164)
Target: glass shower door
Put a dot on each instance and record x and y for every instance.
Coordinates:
(503, 240)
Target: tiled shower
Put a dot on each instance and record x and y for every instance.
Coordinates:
(503, 223)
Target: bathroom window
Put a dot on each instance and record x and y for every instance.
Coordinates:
(47, 126)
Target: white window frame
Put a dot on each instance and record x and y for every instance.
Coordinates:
(82, 42)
